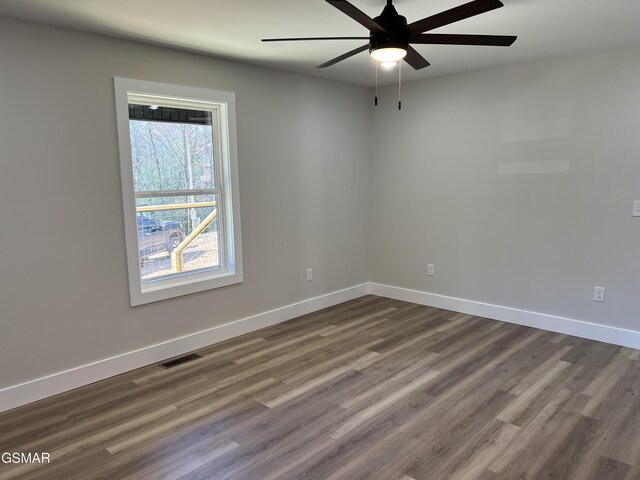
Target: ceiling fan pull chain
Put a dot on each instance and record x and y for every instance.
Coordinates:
(376, 97)
(399, 85)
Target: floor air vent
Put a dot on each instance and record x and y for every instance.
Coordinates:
(180, 360)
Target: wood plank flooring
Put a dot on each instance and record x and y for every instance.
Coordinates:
(372, 389)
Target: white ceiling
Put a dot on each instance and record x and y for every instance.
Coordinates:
(233, 29)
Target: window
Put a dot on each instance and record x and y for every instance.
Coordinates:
(178, 164)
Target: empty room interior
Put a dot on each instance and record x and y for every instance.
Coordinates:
(320, 239)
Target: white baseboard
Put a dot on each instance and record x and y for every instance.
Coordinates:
(569, 326)
(31, 391)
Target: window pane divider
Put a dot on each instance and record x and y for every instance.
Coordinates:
(178, 193)
(175, 206)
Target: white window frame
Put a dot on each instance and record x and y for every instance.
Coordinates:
(222, 104)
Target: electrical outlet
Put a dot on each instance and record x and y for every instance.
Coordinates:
(636, 208)
(598, 294)
(431, 269)
(309, 274)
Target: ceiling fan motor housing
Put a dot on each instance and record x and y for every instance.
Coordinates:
(397, 34)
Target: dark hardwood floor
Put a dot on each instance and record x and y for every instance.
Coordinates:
(373, 389)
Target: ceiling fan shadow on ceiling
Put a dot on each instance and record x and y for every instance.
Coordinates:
(390, 36)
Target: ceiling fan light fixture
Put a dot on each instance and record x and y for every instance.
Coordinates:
(389, 54)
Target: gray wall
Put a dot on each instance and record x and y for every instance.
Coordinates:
(535, 241)
(315, 194)
(304, 154)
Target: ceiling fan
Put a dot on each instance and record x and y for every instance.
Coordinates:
(390, 37)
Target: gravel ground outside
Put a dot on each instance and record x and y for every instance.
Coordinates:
(201, 253)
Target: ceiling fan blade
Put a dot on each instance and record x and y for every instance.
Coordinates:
(416, 60)
(359, 16)
(446, 39)
(453, 15)
(344, 56)
(312, 38)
